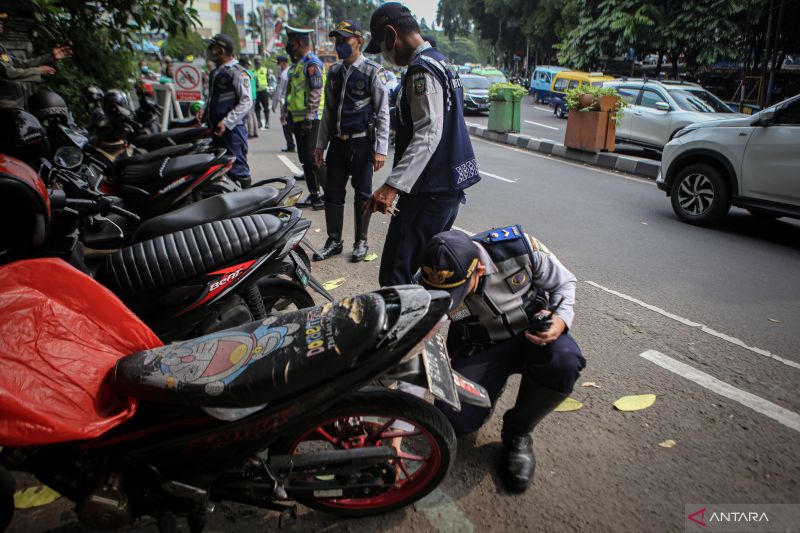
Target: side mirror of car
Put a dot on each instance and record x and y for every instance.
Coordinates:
(765, 118)
(662, 106)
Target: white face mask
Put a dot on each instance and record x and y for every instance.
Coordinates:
(388, 54)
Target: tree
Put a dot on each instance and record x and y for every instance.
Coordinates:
(230, 29)
(303, 12)
(357, 10)
(184, 44)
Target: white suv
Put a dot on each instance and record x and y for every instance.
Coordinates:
(751, 162)
(658, 109)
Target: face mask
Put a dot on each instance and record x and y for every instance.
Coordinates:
(388, 52)
(344, 50)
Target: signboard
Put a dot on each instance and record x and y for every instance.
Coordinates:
(188, 82)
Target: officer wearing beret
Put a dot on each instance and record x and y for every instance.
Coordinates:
(356, 124)
(228, 105)
(304, 107)
(434, 162)
(511, 311)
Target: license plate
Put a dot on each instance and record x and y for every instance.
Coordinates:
(439, 372)
(301, 272)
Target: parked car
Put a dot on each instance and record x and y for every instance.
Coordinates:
(658, 109)
(476, 93)
(492, 74)
(751, 162)
(541, 80)
(569, 79)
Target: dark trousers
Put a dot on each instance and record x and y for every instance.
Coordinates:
(420, 217)
(262, 101)
(556, 366)
(306, 143)
(287, 134)
(344, 159)
(235, 142)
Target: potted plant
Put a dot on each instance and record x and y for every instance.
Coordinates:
(505, 107)
(592, 127)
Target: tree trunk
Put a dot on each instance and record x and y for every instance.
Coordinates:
(674, 57)
(658, 64)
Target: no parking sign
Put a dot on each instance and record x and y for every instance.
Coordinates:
(188, 82)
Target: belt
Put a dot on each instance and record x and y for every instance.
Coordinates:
(348, 137)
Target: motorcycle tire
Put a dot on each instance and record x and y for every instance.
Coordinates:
(280, 295)
(388, 406)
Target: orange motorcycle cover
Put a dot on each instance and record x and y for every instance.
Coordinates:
(61, 333)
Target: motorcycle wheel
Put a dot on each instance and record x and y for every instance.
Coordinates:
(281, 295)
(364, 419)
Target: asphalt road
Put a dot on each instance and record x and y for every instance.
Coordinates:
(726, 391)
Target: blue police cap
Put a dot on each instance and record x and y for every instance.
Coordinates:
(447, 263)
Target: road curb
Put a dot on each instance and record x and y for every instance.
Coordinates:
(606, 160)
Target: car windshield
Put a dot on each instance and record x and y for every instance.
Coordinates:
(698, 100)
(475, 83)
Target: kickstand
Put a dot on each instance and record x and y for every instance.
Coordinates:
(308, 245)
(290, 512)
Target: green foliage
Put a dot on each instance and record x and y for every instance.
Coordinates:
(303, 13)
(183, 44)
(230, 29)
(357, 10)
(572, 97)
(507, 92)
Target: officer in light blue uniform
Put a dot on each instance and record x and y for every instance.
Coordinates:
(228, 105)
(512, 308)
(434, 162)
(356, 124)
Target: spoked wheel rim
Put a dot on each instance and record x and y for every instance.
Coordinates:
(420, 457)
(696, 194)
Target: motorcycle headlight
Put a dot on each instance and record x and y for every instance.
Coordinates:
(68, 157)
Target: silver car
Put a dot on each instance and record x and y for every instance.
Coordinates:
(658, 109)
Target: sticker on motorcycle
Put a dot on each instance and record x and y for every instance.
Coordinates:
(227, 277)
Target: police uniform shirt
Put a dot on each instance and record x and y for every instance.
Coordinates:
(378, 100)
(241, 85)
(427, 113)
(498, 306)
(280, 91)
(15, 74)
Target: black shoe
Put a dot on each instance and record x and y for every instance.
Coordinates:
(266, 126)
(288, 150)
(332, 247)
(314, 201)
(301, 177)
(517, 464)
(360, 249)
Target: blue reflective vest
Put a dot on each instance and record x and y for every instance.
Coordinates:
(453, 166)
(222, 92)
(351, 110)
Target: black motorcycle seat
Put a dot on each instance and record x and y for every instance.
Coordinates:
(164, 169)
(175, 257)
(170, 137)
(260, 362)
(155, 155)
(229, 205)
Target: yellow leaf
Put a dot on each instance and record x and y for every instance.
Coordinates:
(333, 284)
(669, 443)
(35, 497)
(568, 405)
(590, 384)
(635, 403)
(371, 257)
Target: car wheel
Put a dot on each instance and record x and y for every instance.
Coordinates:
(763, 214)
(559, 111)
(700, 195)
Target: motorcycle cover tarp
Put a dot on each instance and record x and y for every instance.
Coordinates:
(61, 333)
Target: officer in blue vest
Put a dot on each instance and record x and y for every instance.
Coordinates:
(228, 105)
(512, 307)
(434, 161)
(356, 124)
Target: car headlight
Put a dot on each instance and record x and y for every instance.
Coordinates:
(684, 131)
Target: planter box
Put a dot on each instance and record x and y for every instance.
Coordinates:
(590, 131)
(505, 116)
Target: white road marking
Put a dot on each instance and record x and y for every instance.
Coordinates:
(495, 176)
(543, 109)
(468, 232)
(542, 125)
(291, 166)
(443, 513)
(703, 327)
(781, 415)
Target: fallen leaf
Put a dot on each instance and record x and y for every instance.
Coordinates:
(35, 497)
(645, 223)
(635, 403)
(568, 405)
(317, 230)
(333, 284)
(669, 443)
(773, 320)
(590, 384)
(371, 257)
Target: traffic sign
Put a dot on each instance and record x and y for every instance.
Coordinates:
(188, 82)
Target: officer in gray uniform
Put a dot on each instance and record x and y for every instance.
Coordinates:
(356, 124)
(16, 75)
(511, 311)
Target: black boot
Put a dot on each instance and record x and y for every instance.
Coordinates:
(334, 219)
(360, 247)
(314, 200)
(518, 463)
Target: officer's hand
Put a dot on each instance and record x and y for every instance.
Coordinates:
(219, 131)
(199, 115)
(546, 337)
(377, 161)
(60, 52)
(317, 157)
(381, 200)
(46, 70)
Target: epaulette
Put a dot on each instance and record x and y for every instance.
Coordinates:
(508, 233)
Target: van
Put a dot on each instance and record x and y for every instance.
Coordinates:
(569, 79)
(541, 79)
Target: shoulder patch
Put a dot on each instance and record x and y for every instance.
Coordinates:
(420, 84)
(518, 280)
(537, 246)
(312, 70)
(4, 58)
(508, 233)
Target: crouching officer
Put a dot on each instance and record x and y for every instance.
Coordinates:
(228, 105)
(501, 282)
(356, 123)
(304, 106)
